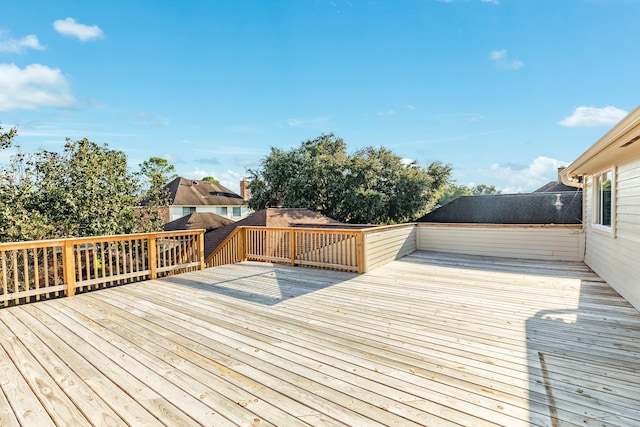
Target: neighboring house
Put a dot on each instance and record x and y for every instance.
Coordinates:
(609, 173)
(553, 203)
(270, 217)
(198, 221)
(187, 196)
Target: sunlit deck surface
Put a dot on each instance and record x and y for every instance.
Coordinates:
(430, 339)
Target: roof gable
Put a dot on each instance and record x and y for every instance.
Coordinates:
(193, 192)
(198, 221)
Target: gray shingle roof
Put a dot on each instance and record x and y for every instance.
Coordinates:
(532, 208)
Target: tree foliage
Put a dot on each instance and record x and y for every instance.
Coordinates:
(453, 191)
(211, 179)
(154, 173)
(373, 185)
(86, 190)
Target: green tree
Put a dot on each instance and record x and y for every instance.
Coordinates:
(154, 174)
(6, 138)
(87, 190)
(482, 189)
(211, 179)
(453, 191)
(371, 186)
(18, 220)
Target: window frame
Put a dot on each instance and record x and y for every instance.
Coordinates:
(598, 197)
(188, 210)
(233, 211)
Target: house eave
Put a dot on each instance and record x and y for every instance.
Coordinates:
(619, 144)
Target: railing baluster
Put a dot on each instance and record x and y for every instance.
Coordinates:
(5, 287)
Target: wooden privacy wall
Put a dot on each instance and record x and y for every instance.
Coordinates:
(31, 271)
(562, 242)
(388, 243)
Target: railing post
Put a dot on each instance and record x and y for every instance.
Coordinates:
(242, 244)
(362, 268)
(153, 257)
(69, 266)
(200, 238)
(292, 246)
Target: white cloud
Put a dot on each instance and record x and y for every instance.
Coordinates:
(307, 122)
(146, 119)
(502, 60)
(32, 87)
(11, 45)
(69, 27)
(229, 178)
(387, 113)
(497, 55)
(592, 116)
(467, 117)
(513, 179)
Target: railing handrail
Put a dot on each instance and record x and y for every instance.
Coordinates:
(39, 269)
(111, 237)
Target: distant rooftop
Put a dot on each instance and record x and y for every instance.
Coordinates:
(198, 221)
(533, 208)
(193, 192)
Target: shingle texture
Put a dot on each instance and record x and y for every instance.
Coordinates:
(270, 217)
(191, 192)
(532, 208)
(198, 220)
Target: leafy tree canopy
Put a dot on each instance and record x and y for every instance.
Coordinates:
(211, 179)
(86, 190)
(372, 185)
(453, 191)
(154, 174)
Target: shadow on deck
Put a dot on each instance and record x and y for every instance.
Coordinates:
(430, 339)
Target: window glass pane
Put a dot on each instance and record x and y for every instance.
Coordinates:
(188, 210)
(237, 212)
(606, 198)
(222, 211)
(602, 199)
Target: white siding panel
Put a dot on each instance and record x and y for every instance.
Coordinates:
(388, 244)
(544, 243)
(617, 258)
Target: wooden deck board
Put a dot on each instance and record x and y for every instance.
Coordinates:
(430, 339)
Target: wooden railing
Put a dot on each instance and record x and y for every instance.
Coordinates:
(31, 271)
(335, 249)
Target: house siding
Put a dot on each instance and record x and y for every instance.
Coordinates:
(175, 211)
(388, 244)
(559, 243)
(616, 257)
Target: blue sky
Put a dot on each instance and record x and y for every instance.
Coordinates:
(504, 91)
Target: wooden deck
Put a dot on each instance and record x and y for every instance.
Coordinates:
(430, 339)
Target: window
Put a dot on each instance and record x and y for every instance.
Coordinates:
(222, 211)
(237, 211)
(188, 210)
(602, 199)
